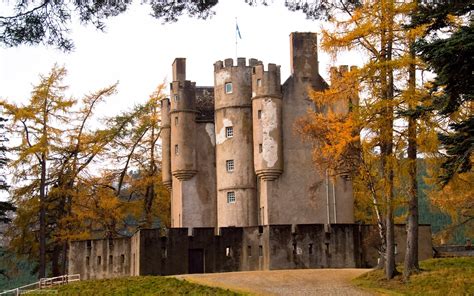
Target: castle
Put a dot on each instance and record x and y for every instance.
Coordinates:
(231, 155)
(245, 194)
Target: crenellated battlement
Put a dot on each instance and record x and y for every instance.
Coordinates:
(241, 62)
(266, 83)
(182, 84)
(338, 72)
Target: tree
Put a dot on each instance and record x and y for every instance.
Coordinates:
(447, 50)
(137, 148)
(4, 205)
(47, 22)
(378, 28)
(55, 151)
(40, 137)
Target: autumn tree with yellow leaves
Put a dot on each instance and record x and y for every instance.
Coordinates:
(60, 192)
(387, 85)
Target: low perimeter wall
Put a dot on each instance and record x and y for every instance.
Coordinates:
(197, 250)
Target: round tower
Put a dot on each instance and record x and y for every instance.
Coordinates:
(182, 121)
(236, 180)
(267, 118)
(166, 143)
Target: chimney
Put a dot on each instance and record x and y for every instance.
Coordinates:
(179, 69)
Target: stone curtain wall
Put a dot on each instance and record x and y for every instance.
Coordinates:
(97, 259)
(183, 250)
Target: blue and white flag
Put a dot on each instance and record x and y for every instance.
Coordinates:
(237, 30)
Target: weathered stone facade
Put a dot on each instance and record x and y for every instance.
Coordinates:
(231, 156)
(182, 250)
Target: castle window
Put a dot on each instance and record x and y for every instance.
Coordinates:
(176, 120)
(176, 98)
(260, 251)
(176, 149)
(87, 261)
(228, 88)
(310, 247)
(111, 260)
(229, 132)
(259, 114)
(231, 197)
(122, 259)
(229, 164)
(260, 148)
(228, 252)
(99, 260)
(259, 82)
(249, 251)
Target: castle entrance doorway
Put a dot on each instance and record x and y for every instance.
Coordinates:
(196, 261)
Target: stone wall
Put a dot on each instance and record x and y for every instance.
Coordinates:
(208, 250)
(370, 244)
(102, 258)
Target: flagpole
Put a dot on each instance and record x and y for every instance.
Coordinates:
(236, 39)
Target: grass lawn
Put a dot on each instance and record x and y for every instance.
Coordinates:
(144, 285)
(446, 276)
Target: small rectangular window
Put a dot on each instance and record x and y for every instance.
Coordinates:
(260, 251)
(228, 252)
(229, 164)
(176, 149)
(99, 260)
(310, 251)
(260, 148)
(176, 98)
(228, 88)
(87, 261)
(164, 252)
(176, 120)
(229, 131)
(122, 259)
(231, 197)
(111, 260)
(259, 114)
(259, 82)
(249, 251)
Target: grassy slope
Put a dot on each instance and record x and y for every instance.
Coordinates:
(146, 285)
(447, 276)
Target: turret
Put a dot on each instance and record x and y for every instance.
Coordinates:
(236, 180)
(267, 120)
(166, 143)
(182, 121)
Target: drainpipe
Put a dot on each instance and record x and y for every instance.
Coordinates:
(334, 201)
(327, 196)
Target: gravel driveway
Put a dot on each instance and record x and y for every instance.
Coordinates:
(284, 282)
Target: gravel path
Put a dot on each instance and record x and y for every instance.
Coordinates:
(284, 282)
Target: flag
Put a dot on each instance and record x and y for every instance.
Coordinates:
(237, 30)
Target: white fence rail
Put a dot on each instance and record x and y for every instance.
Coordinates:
(44, 283)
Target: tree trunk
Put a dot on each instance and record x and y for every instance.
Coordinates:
(387, 134)
(42, 219)
(411, 255)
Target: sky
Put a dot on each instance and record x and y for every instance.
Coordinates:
(137, 50)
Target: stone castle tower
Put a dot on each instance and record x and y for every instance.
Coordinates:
(231, 156)
(246, 194)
